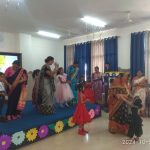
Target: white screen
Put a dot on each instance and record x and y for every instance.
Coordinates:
(6, 61)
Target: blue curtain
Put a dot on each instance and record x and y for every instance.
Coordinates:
(111, 52)
(65, 59)
(83, 56)
(137, 61)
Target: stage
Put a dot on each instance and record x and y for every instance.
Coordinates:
(34, 126)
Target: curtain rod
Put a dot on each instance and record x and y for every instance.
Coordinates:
(91, 40)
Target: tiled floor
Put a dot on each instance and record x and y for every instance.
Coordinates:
(98, 139)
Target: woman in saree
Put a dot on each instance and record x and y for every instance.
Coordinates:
(118, 109)
(17, 79)
(46, 87)
(139, 88)
(72, 74)
(97, 85)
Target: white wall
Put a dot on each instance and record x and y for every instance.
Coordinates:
(123, 41)
(34, 50)
(9, 42)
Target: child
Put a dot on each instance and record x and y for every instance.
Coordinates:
(135, 127)
(111, 83)
(81, 115)
(2, 95)
(35, 76)
(148, 103)
(63, 92)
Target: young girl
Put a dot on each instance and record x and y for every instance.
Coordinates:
(63, 92)
(81, 115)
(135, 127)
(35, 76)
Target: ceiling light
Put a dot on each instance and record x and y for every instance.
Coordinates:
(93, 21)
(48, 34)
(16, 3)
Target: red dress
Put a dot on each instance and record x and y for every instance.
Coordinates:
(89, 93)
(81, 115)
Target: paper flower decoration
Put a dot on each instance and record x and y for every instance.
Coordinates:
(97, 110)
(5, 142)
(18, 138)
(59, 126)
(70, 122)
(92, 113)
(31, 134)
(43, 131)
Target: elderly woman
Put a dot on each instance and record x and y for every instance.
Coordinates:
(46, 87)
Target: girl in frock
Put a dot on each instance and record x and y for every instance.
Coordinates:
(135, 127)
(81, 115)
(63, 92)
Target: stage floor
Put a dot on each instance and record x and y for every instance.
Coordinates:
(31, 119)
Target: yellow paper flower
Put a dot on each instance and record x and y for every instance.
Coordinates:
(70, 122)
(31, 134)
(59, 126)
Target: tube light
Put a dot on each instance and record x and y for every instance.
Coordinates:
(93, 21)
(49, 34)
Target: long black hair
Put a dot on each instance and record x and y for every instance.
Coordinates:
(49, 58)
(35, 73)
(59, 70)
(80, 86)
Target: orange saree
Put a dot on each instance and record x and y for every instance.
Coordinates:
(118, 109)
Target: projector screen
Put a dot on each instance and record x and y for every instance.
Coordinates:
(6, 60)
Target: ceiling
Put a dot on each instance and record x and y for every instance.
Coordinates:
(63, 16)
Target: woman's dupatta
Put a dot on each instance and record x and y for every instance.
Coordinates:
(16, 82)
(74, 74)
(120, 92)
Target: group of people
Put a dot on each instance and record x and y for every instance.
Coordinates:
(127, 101)
(51, 86)
(54, 86)
(13, 85)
